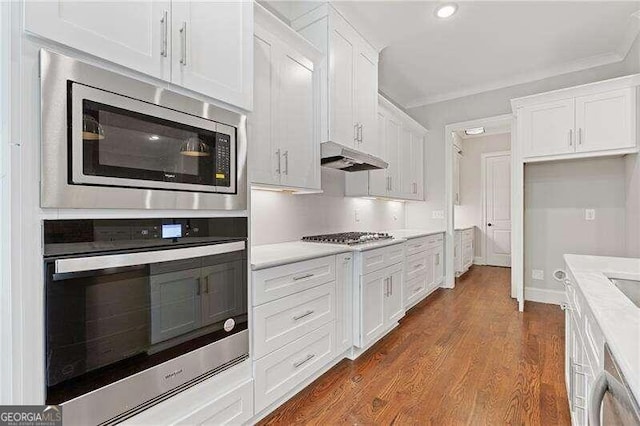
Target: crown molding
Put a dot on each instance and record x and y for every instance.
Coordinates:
(619, 54)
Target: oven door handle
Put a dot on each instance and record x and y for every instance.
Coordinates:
(91, 263)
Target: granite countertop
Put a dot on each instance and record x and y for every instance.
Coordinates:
(414, 233)
(617, 316)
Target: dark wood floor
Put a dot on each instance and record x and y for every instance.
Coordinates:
(462, 356)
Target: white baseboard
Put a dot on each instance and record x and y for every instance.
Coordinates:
(478, 260)
(543, 295)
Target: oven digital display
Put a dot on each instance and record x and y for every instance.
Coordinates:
(172, 231)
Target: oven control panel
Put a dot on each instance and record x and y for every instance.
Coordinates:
(223, 160)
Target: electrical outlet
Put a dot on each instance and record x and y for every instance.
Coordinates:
(537, 274)
(589, 214)
(437, 214)
(356, 215)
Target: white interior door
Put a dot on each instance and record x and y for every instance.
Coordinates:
(498, 209)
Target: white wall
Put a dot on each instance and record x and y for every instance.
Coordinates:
(632, 189)
(278, 217)
(469, 212)
(496, 102)
(556, 195)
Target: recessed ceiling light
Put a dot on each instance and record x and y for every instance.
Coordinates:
(446, 10)
(474, 131)
(154, 137)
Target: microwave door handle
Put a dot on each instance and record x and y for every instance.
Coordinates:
(91, 263)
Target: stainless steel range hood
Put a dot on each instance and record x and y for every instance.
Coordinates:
(340, 157)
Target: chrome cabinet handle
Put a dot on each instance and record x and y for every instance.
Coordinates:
(418, 266)
(306, 314)
(206, 285)
(355, 132)
(437, 258)
(360, 129)
(278, 170)
(390, 183)
(198, 285)
(570, 137)
(346, 259)
(183, 34)
(164, 22)
(305, 360)
(386, 287)
(302, 277)
(390, 286)
(286, 163)
(579, 135)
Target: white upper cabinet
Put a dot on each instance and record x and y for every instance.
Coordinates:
(206, 47)
(584, 121)
(350, 79)
(284, 128)
(133, 34)
(606, 120)
(213, 49)
(401, 145)
(547, 129)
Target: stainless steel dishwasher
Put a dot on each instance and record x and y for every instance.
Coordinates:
(611, 401)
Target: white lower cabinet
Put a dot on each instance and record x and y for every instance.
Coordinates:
(463, 250)
(424, 268)
(282, 370)
(380, 302)
(344, 302)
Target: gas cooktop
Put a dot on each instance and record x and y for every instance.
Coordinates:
(349, 238)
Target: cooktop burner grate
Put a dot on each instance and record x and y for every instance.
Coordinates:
(349, 238)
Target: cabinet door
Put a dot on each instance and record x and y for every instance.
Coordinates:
(393, 303)
(438, 266)
(222, 296)
(406, 164)
(393, 156)
(213, 49)
(131, 33)
(342, 123)
(417, 152)
(606, 121)
(344, 302)
(547, 129)
(373, 290)
(175, 304)
(366, 96)
(264, 157)
(298, 121)
(456, 178)
(378, 183)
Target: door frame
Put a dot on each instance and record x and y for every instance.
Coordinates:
(517, 278)
(483, 198)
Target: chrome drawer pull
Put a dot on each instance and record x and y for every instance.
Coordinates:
(302, 277)
(418, 266)
(307, 359)
(299, 317)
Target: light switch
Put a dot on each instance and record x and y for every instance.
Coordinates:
(356, 215)
(437, 214)
(589, 214)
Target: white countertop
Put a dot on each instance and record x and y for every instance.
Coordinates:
(414, 233)
(463, 227)
(617, 316)
(269, 255)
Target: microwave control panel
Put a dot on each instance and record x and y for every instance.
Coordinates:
(223, 160)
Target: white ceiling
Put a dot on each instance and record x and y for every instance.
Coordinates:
(487, 44)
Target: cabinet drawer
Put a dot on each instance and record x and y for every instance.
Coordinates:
(284, 320)
(415, 289)
(279, 372)
(434, 240)
(417, 245)
(373, 260)
(236, 407)
(274, 283)
(417, 265)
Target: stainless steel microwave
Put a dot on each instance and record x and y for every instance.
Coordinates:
(111, 141)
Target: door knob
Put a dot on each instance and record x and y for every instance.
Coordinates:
(489, 224)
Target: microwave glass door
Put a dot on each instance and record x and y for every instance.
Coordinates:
(119, 141)
(104, 325)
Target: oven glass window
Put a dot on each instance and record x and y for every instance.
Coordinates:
(118, 143)
(105, 325)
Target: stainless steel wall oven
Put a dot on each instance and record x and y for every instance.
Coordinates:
(137, 308)
(110, 141)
